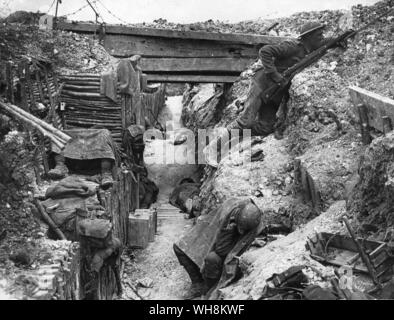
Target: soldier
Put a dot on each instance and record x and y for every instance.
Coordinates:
(223, 233)
(274, 60)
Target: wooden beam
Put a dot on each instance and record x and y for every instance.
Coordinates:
(166, 33)
(128, 45)
(376, 106)
(169, 78)
(201, 65)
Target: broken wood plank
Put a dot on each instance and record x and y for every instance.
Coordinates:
(170, 78)
(173, 65)
(377, 106)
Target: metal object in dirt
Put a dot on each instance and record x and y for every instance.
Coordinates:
(339, 250)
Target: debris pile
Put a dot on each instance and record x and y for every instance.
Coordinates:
(68, 51)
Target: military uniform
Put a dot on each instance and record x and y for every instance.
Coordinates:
(274, 59)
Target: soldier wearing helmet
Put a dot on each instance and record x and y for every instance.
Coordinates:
(215, 238)
(259, 113)
(274, 60)
(245, 217)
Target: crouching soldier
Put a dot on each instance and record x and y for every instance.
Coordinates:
(209, 251)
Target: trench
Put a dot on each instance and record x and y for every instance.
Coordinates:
(155, 273)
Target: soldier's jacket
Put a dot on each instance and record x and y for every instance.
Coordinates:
(282, 56)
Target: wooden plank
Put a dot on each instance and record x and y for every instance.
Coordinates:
(200, 65)
(172, 78)
(39, 85)
(377, 106)
(166, 33)
(94, 89)
(125, 46)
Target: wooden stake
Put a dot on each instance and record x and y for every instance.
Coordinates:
(364, 125)
(387, 125)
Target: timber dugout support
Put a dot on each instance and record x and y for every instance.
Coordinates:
(373, 111)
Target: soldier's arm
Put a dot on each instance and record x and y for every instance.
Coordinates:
(269, 53)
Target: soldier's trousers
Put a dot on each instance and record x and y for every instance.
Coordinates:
(191, 268)
(212, 271)
(257, 115)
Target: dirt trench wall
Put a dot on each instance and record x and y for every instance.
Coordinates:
(371, 201)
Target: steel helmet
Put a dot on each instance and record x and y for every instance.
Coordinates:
(249, 218)
(309, 27)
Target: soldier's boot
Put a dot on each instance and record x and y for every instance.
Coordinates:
(106, 174)
(197, 289)
(60, 171)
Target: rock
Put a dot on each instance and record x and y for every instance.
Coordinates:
(145, 282)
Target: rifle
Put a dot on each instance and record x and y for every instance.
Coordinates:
(313, 57)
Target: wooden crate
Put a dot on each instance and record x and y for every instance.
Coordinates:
(152, 220)
(139, 231)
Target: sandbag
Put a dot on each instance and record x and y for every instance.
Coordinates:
(70, 187)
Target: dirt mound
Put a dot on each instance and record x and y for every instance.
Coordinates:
(68, 52)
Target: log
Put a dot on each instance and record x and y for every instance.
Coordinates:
(81, 83)
(81, 75)
(60, 144)
(71, 87)
(86, 95)
(85, 123)
(19, 112)
(80, 78)
(48, 220)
